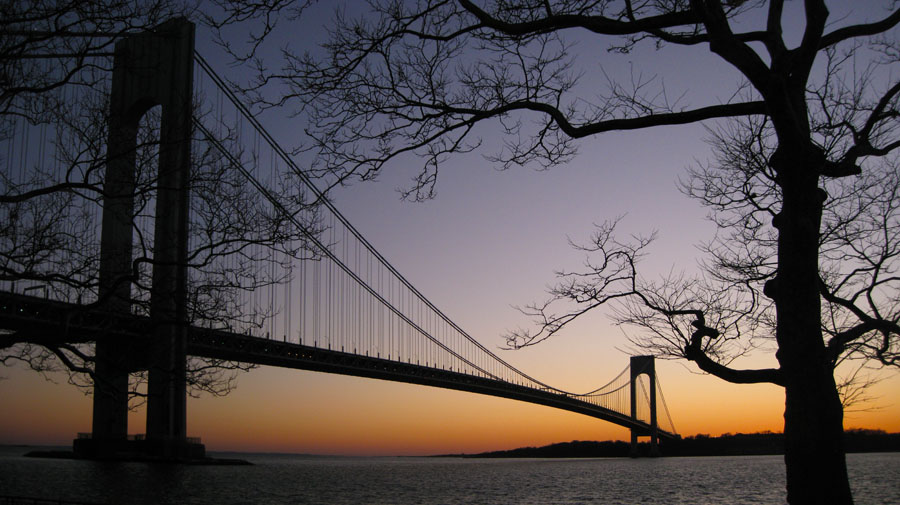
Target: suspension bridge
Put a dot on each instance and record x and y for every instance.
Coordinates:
(193, 240)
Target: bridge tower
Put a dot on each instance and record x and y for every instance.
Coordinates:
(644, 365)
(150, 69)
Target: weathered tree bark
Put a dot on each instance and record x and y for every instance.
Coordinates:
(813, 416)
(813, 427)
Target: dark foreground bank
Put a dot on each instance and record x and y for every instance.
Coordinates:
(855, 441)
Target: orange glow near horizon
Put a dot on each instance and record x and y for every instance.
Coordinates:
(289, 411)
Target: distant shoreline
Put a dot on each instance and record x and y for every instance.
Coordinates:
(740, 444)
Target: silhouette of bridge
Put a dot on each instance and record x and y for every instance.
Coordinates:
(296, 286)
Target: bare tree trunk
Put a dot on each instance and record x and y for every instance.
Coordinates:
(813, 428)
(813, 416)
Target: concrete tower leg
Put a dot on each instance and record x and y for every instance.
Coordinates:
(112, 366)
(170, 51)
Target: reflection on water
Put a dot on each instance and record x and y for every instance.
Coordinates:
(287, 479)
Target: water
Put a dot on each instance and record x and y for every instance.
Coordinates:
(284, 479)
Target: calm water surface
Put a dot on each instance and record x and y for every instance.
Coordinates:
(284, 479)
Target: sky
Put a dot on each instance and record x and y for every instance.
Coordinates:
(491, 240)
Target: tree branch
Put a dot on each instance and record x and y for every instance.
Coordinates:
(861, 30)
(596, 24)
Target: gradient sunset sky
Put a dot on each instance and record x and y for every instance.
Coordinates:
(490, 241)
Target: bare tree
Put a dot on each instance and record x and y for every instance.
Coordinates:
(46, 50)
(721, 315)
(56, 65)
(819, 126)
(46, 45)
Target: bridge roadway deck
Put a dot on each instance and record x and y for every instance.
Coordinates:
(44, 320)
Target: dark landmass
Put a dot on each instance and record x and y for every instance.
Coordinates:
(739, 444)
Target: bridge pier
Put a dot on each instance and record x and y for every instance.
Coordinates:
(110, 405)
(150, 69)
(644, 365)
